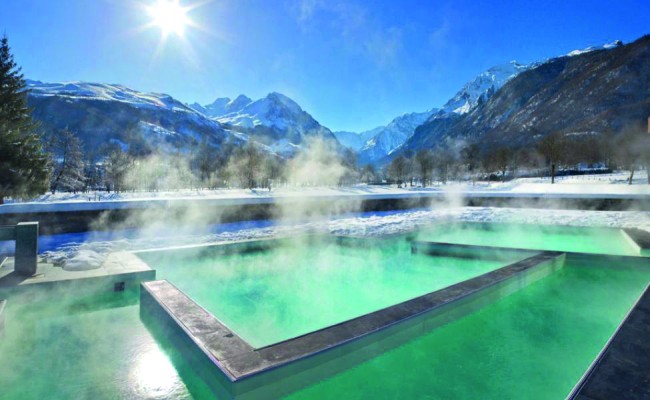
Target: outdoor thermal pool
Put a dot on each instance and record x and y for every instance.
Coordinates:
(534, 343)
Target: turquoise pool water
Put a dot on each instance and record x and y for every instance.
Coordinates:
(539, 237)
(302, 286)
(94, 349)
(533, 344)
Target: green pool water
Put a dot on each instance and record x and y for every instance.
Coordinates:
(299, 287)
(534, 344)
(540, 237)
(97, 349)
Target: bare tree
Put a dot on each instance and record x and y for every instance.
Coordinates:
(246, 164)
(630, 149)
(368, 173)
(425, 163)
(205, 161)
(117, 165)
(444, 164)
(68, 162)
(499, 159)
(471, 158)
(552, 147)
(398, 169)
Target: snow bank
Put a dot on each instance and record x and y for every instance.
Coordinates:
(91, 254)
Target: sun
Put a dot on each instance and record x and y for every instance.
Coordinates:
(169, 16)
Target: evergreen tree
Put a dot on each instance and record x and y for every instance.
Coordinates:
(24, 168)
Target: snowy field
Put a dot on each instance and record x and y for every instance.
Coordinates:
(585, 186)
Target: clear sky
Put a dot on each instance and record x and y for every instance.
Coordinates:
(352, 64)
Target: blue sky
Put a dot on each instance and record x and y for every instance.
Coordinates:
(352, 64)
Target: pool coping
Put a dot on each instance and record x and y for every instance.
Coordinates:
(3, 304)
(249, 369)
(620, 370)
(118, 271)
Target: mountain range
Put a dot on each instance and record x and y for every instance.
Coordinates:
(597, 89)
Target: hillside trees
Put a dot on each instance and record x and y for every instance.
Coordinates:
(24, 167)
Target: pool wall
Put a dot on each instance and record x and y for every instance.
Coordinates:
(276, 370)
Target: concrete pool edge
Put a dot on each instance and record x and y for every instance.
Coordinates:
(620, 369)
(3, 304)
(118, 272)
(280, 368)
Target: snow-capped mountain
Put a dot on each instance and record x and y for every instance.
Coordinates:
(277, 121)
(105, 115)
(386, 139)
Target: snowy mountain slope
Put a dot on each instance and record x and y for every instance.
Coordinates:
(483, 87)
(389, 138)
(81, 91)
(103, 115)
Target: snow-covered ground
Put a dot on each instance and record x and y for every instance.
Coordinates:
(589, 186)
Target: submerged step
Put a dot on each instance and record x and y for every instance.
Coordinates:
(621, 369)
(638, 238)
(468, 251)
(238, 370)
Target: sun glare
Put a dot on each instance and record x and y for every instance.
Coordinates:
(170, 16)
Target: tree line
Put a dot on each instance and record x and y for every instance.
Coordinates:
(627, 150)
